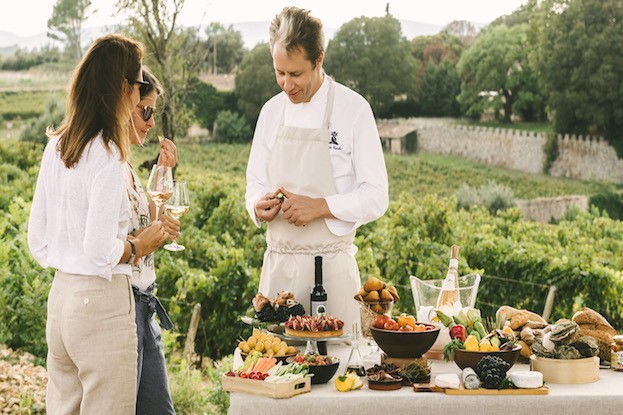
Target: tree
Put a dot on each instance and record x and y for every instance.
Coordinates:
(205, 101)
(65, 24)
(255, 82)
(225, 48)
(581, 56)
(174, 54)
(371, 56)
(494, 71)
(439, 89)
(462, 29)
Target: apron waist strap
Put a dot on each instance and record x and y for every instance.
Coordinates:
(154, 304)
(310, 251)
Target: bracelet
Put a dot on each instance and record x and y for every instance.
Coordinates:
(133, 254)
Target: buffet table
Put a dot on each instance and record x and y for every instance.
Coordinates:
(604, 397)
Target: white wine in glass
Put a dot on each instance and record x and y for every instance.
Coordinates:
(177, 206)
(160, 186)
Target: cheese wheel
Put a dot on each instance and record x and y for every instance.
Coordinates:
(525, 379)
(448, 380)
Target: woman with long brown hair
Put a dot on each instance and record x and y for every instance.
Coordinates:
(79, 225)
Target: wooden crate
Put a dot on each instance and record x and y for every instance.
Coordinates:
(270, 390)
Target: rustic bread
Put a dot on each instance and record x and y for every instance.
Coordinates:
(589, 316)
(522, 318)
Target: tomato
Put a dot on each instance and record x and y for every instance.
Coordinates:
(406, 327)
(379, 320)
(391, 325)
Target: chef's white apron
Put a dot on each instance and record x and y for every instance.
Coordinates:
(301, 163)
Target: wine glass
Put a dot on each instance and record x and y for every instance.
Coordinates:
(160, 186)
(176, 207)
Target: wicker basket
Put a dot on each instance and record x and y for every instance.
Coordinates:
(369, 311)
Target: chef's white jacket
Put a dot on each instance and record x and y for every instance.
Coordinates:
(355, 149)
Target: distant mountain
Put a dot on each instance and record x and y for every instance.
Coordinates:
(252, 34)
(9, 42)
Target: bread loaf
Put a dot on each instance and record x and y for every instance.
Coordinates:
(596, 326)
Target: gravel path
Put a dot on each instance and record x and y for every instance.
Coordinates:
(22, 384)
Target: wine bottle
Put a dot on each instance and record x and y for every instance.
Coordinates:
(318, 294)
(319, 300)
(449, 294)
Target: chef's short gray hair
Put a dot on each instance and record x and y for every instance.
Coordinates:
(294, 28)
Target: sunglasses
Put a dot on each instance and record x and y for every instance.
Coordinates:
(136, 81)
(148, 112)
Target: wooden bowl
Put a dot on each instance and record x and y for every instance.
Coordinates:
(464, 358)
(566, 371)
(385, 386)
(405, 343)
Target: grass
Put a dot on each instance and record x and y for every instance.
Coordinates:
(44, 78)
(26, 104)
(417, 174)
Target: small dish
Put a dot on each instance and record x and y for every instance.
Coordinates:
(385, 386)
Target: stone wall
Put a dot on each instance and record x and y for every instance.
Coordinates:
(509, 149)
(589, 158)
(546, 209)
(579, 157)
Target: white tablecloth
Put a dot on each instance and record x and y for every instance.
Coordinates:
(604, 397)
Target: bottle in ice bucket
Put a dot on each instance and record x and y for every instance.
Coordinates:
(318, 299)
(450, 288)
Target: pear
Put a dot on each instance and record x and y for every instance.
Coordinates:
(378, 308)
(393, 292)
(372, 297)
(386, 295)
(361, 294)
(373, 284)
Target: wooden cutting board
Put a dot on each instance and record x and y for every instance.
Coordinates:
(543, 390)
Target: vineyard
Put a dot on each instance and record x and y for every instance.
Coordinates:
(220, 269)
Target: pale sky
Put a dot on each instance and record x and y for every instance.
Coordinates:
(29, 17)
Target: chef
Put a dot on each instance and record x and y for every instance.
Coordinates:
(316, 171)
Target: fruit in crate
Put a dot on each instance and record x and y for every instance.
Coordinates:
(266, 344)
(278, 310)
(314, 326)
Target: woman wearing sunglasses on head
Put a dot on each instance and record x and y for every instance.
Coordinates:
(79, 225)
(153, 396)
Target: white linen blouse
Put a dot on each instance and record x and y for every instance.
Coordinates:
(79, 216)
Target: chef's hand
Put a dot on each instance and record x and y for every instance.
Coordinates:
(300, 210)
(267, 207)
(168, 153)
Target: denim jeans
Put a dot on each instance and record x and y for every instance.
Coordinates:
(153, 395)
